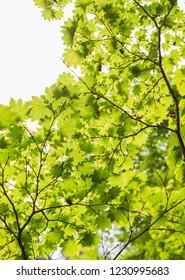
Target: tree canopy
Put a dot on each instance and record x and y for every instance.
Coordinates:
(96, 165)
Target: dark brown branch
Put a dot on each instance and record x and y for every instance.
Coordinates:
(175, 99)
(146, 12)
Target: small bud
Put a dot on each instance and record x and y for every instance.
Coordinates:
(68, 200)
(172, 116)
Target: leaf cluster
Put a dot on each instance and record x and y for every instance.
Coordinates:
(98, 163)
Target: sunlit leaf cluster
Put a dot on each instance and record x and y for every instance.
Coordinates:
(95, 166)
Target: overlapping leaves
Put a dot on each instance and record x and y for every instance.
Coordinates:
(106, 155)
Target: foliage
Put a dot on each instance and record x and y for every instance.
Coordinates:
(101, 173)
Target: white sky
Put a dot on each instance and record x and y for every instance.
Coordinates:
(30, 48)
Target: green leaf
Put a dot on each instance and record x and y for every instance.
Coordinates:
(7, 117)
(3, 208)
(72, 58)
(89, 239)
(71, 248)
